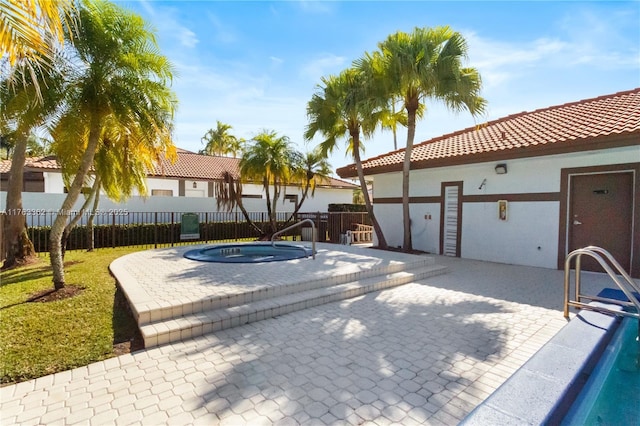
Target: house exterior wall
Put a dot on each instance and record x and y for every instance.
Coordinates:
(530, 234)
(198, 199)
(53, 183)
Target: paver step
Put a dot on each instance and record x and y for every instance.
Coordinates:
(179, 310)
(193, 325)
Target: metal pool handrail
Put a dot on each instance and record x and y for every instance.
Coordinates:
(628, 286)
(295, 225)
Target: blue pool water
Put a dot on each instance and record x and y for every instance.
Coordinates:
(611, 396)
(248, 253)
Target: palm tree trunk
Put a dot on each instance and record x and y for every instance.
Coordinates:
(406, 169)
(19, 248)
(265, 184)
(382, 242)
(57, 229)
(297, 208)
(72, 224)
(274, 215)
(90, 236)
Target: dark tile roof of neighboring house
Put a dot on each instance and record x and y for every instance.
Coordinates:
(602, 122)
(188, 165)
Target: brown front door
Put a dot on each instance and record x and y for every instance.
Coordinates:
(600, 214)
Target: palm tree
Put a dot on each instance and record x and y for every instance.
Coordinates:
(390, 120)
(20, 114)
(309, 170)
(342, 108)
(119, 91)
(25, 26)
(268, 159)
(218, 141)
(427, 64)
(30, 32)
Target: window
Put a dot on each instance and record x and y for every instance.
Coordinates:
(162, 192)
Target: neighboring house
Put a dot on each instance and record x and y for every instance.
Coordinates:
(186, 185)
(525, 189)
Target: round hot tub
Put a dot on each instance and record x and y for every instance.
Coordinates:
(249, 253)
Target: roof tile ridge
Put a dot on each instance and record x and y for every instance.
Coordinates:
(510, 117)
(586, 100)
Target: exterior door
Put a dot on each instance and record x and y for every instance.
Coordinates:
(600, 214)
(451, 218)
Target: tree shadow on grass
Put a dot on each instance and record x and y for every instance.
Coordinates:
(18, 275)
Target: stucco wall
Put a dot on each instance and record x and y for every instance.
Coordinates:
(528, 237)
(42, 206)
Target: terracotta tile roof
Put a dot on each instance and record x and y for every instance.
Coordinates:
(5, 166)
(190, 165)
(605, 121)
(337, 183)
(48, 162)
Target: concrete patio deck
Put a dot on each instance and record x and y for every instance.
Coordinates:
(426, 352)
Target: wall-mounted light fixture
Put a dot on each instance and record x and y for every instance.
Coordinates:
(195, 185)
(501, 169)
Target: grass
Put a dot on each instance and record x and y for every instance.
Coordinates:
(40, 338)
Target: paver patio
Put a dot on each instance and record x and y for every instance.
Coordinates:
(423, 353)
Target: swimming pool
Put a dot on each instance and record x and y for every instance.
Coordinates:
(249, 253)
(551, 384)
(611, 396)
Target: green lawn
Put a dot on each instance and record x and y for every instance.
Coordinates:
(40, 338)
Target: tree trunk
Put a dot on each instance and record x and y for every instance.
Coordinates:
(90, 236)
(60, 222)
(19, 248)
(382, 242)
(304, 197)
(406, 169)
(72, 224)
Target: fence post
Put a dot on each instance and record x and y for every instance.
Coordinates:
(235, 227)
(206, 227)
(113, 230)
(155, 230)
(172, 225)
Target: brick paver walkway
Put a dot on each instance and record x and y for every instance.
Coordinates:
(423, 353)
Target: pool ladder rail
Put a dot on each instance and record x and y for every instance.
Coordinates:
(628, 286)
(295, 225)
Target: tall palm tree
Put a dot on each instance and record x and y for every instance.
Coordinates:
(219, 141)
(342, 108)
(119, 78)
(268, 159)
(30, 34)
(20, 114)
(427, 64)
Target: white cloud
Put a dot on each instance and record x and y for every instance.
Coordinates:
(167, 25)
(222, 32)
(187, 37)
(323, 65)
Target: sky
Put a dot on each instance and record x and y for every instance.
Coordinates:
(255, 64)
